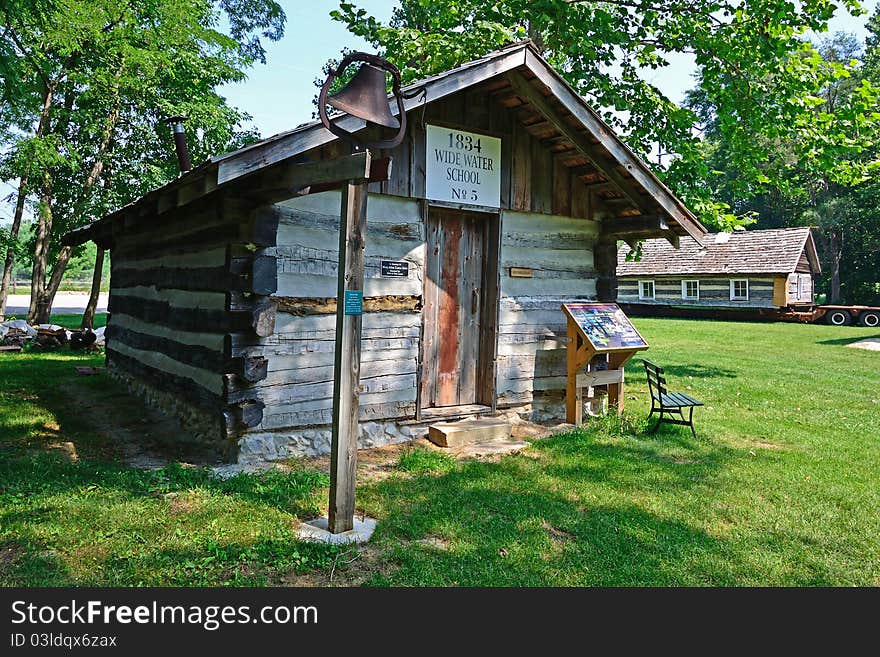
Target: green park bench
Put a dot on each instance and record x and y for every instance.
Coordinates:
(668, 403)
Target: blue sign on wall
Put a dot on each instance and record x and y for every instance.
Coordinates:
(354, 302)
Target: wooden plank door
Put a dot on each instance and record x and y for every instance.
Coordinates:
(453, 289)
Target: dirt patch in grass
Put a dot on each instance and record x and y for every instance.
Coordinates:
(183, 503)
(354, 566)
(435, 543)
(524, 429)
(379, 463)
(9, 554)
(307, 580)
(371, 564)
(64, 448)
(376, 463)
(558, 535)
(141, 436)
(755, 443)
(765, 445)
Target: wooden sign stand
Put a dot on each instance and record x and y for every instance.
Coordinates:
(582, 351)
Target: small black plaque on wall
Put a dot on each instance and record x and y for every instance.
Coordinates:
(394, 269)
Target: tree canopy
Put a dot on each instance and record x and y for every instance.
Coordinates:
(777, 128)
(756, 70)
(86, 86)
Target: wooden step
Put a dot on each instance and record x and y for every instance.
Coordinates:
(468, 431)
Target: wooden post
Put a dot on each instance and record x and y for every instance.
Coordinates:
(347, 362)
(605, 254)
(616, 361)
(573, 402)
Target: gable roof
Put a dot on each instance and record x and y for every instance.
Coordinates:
(564, 121)
(773, 251)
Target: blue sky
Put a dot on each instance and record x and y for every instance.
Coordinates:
(279, 95)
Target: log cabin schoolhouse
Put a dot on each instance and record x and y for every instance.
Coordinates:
(744, 270)
(223, 282)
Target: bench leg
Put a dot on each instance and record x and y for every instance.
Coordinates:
(691, 422)
(657, 425)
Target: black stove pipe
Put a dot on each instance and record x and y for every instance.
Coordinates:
(180, 146)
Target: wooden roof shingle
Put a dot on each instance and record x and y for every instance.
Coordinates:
(772, 251)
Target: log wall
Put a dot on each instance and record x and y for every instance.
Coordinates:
(183, 287)
(558, 251)
(297, 390)
(713, 292)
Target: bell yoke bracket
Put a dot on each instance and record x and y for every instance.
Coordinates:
(380, 63)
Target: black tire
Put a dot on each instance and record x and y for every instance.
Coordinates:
(870, 318)
(838, 318)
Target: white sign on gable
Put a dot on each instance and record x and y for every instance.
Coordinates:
(462, 167)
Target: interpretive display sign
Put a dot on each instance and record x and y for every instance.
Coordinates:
(605, 325)
(601, 340)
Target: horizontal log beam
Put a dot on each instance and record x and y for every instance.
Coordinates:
(195, 355)
(217, 223)
(258, 275)
(259, 318)
(165, 381)
(302, 306)
(628, 227)
(380, 171)
(285, 180)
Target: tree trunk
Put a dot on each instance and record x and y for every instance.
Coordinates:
(43, 294)
(10, 252)
(88, 320)
(43, 306)
(836, 248)
(42, 130)
(38, 311)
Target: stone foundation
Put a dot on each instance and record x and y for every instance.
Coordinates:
(200, 427)
(204, 428)
(549, 407)
(315, 441)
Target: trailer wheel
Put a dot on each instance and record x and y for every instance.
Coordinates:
(838, 318)
(870, 318)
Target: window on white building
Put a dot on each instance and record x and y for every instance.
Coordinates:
(690, 289)
(739, 289)
(646, 289)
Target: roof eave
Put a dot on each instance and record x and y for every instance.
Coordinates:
(624, 155)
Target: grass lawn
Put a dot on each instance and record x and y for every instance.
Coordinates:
(781, 488)
(73, 321)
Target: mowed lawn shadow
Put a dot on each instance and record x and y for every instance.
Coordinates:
(581, 516)
(89, 417)
(114, 522)
(693, 370)
(70, 504)
(846, 341)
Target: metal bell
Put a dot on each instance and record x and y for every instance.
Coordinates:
(365, 97)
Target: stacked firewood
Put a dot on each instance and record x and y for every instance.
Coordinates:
(17, 334)
(48, 338)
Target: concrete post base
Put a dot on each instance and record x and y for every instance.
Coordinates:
(316, 530)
